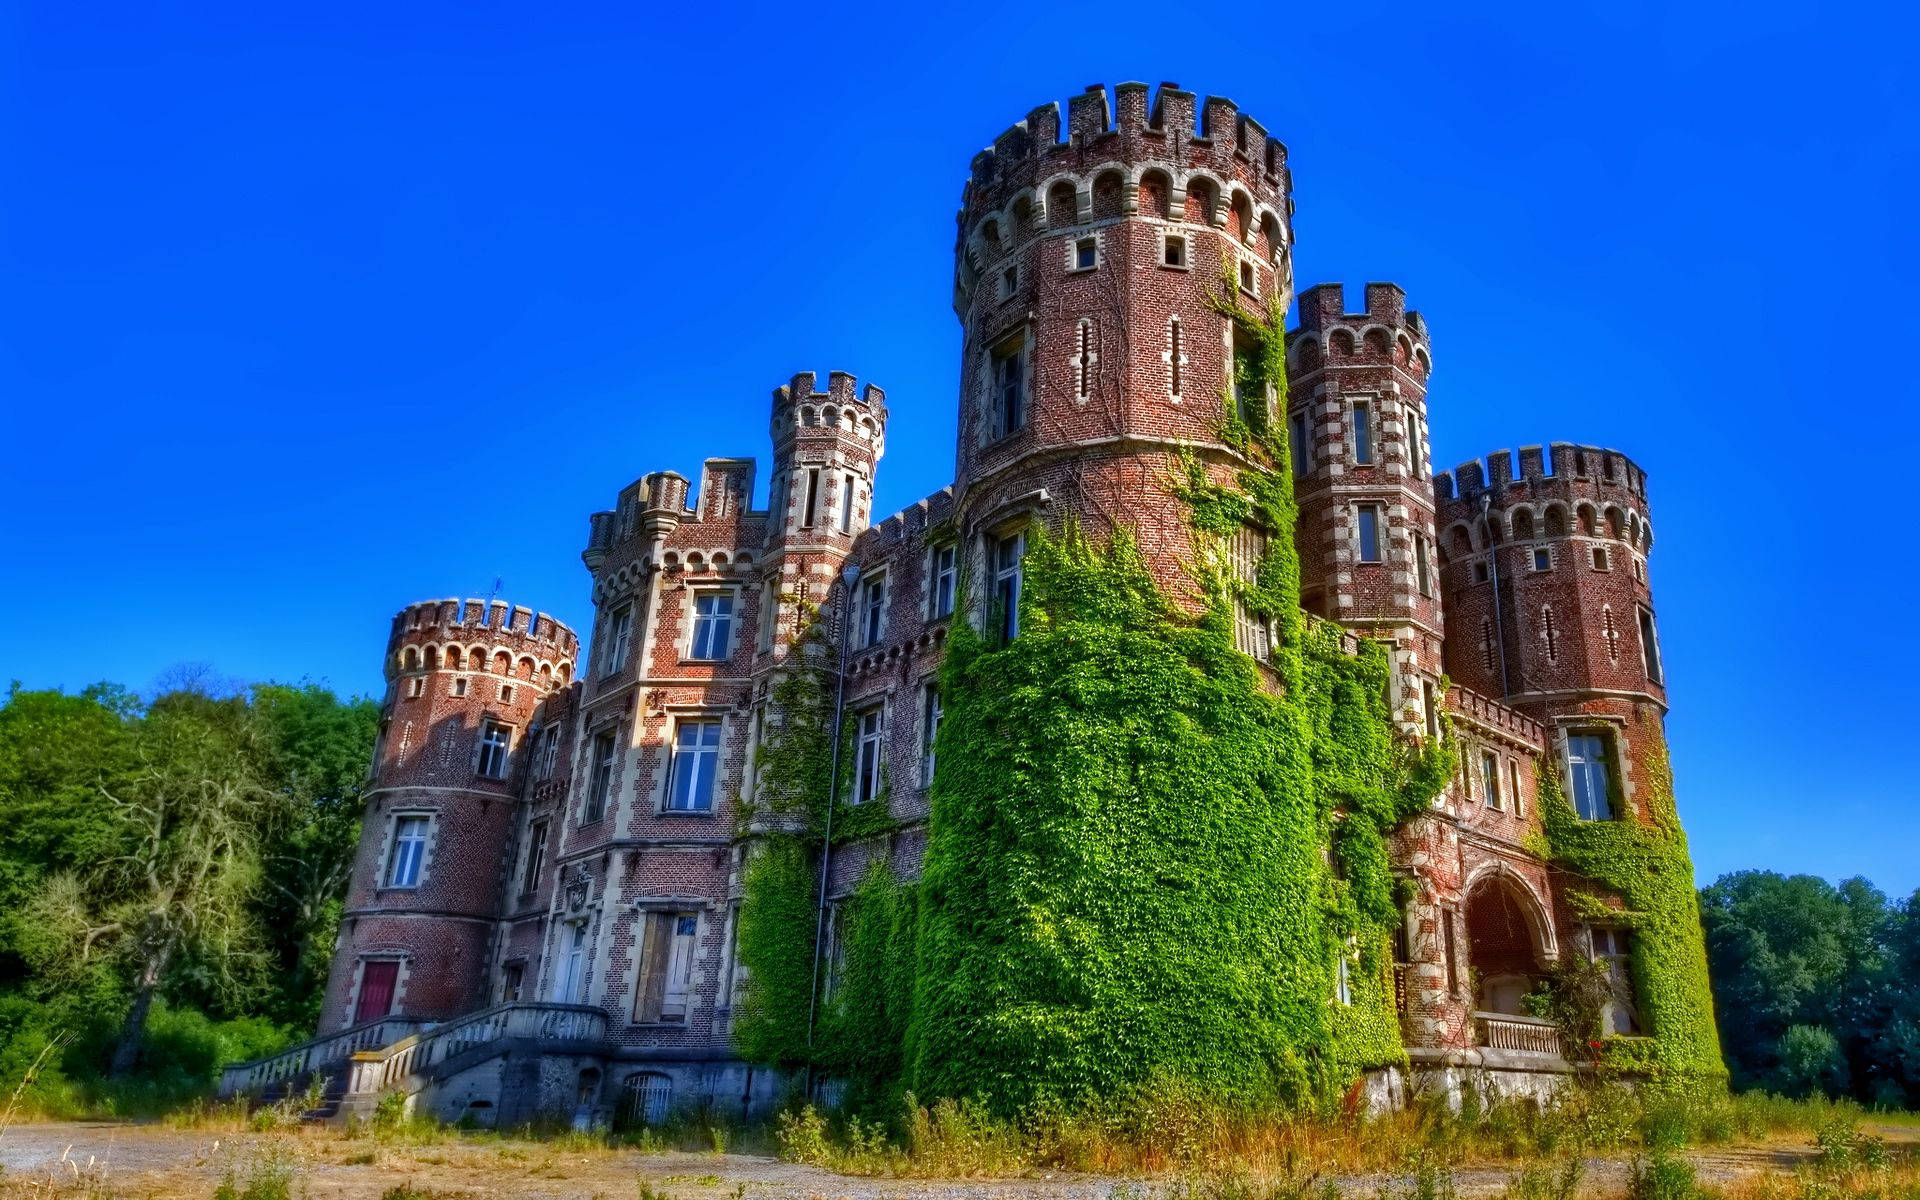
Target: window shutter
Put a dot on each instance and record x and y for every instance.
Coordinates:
(655, 944)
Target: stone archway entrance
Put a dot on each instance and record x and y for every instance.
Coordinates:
(1506, 944)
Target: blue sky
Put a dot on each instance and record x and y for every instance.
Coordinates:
(310, 311)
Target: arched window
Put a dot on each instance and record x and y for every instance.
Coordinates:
(1523, 526)
(1062, 208)
(1556, 523)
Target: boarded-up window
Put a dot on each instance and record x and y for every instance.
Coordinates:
(666, 967)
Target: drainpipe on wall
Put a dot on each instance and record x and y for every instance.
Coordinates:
(848, 573)
(1493, 573)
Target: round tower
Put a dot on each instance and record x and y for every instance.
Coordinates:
(1357, 435)
(464, 679)
(1545, 576)
(1089, 267)
(826, 446)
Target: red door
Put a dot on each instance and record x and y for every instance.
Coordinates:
(376, 989)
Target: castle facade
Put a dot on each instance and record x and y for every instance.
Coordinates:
(564, 829)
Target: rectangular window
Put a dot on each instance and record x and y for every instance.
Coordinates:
(1249, 397)
(1244, 554)
(1480, 573)
(1086, 254)
(1009, 282)
(619, 635)
(547, 753)
(1343, 980)
(1297, 443)
(1369, 538)
(867, 754)
(769, 616)
(600, 784)
(495, 740)
(513, 977)
(1649, 646)
(414, 688)
(665, 987)
(506, 693)
(1362, 433)
(1453, 959)
(1422, 573)
(1432, 703)
(696, 761)
(873, 608)
(1004, 554)
(812, 512)
(1009, 385)
(1173, 251)
(712, 626)
(1416, 445)
(1490, 779)
(929, 730)
(946, 571)
(460, 685)
(1513, 788)
(1588, 765)
(1542, 559)
(848, 487)
(536, 850)
(408, 853)
(570, 981)
(1599, 558)
(1249, 282)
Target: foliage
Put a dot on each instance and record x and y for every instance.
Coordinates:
(1645, 862)
(777, 916)
(1574, 996)
(1827, 980)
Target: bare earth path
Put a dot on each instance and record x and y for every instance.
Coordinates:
(174, 1164)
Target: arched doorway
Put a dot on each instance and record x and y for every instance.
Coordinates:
(1506, 944)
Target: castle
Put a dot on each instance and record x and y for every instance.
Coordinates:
(545, 908)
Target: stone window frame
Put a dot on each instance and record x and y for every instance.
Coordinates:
(934, 549)
(403, 958)
(1379, 511)
(617, 641)
(480, 745)
(593, 807)
(691, 621)
(679, 714)
(870, 608)
(676, 907)
(875, 707)
(1370, 402)
(932, 710)
(391, 843)
(1535, 558)
(1019, 336)
(1073, 247)
(1169, 238)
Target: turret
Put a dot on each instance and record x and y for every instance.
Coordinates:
(1357, 437)
(1546, 583)
(466, 679)
(826, 446)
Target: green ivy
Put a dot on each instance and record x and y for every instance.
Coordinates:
(1645, 862)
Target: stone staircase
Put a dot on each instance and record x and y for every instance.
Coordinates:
(402, 1054)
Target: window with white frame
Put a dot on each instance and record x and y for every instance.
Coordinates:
(619, 635)
(1007, 379)
(1490, 780)
(872, 609)
(929, 730)
(1173, 251)
(696, 763)
(409, 850)
(1367, 532)
(546, 751)
(1513, 788)
(496, 740)
(664, 988)
(1432, 703)
(1004, 554)
(1362, 417)
(415, 687)
(600, 777)
(1251, 635)
(1613, 948)
(712, 626)
(944, 577)
(1249, 278)
(1590, 770)
(868, 747)
(1343, 973)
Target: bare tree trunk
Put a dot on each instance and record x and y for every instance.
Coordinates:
(133, 1034)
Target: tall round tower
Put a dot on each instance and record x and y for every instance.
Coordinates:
(1357, 432)
(1089, 263)
(464, 679)
(1545, 575)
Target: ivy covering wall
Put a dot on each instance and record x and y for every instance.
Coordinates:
(1151, 863)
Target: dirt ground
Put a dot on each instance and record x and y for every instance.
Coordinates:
(101, 1159)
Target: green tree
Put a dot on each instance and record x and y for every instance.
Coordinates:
(171, 889)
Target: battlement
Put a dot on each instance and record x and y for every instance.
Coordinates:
(1323, 307)
(1491, 715)
(1128, 126)
(497, 621)
(1594, 471)
(797, 405)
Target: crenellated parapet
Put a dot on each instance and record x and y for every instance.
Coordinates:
(1172, 157)
(482, 635)
(845, 408)
(1383, 333)
(1565, 489)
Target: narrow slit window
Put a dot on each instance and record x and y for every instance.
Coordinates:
(1549, 635)
(1362, 433)
(1083, 361)
(1175, 356)
(1421, 573)
(1649, 646)
(1490, 780)
(813, 497)
(848, 489)
(1297, 443)
(867, 757)
(1368, 516)
(945, 575)
(1174, 251)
